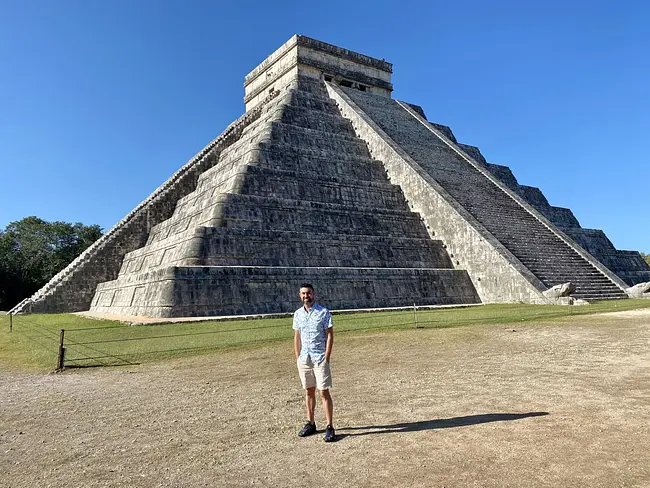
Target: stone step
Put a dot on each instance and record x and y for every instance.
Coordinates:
(596, 291)
(567, 257)
(315, 188)
(574, 261)
(317, 102)
(541, 242)
(546, 253)
(218, 246)
(217, 290)
(595, 296)
(567, 266)
(281, 183)
(249, 211)
(579, 281)
(558, 262)
(357, 168)
(582, 289)
(316, 140)
(321, 121)
(591, 288)
(290, 184)
(261, 132)
(283, 248)
(266, 213)
(557, 278)
(576, 279)
(575, 274)
(335, 153)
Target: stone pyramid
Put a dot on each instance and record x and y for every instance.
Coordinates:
(327, 179)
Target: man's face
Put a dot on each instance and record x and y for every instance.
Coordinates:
(307, 296)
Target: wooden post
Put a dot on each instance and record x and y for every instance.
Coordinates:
(11, 322)
(61, 359)
(415, 317)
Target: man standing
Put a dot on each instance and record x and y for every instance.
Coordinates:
(312, 343)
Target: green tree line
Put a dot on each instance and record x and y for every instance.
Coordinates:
(32, 251)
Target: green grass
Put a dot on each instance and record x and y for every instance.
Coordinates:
(33, 344)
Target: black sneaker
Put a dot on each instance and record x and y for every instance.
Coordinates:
(330, 436)
(308, 429)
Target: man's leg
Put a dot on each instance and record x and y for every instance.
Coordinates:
(328, 405)
(309, 385)
(310, 402)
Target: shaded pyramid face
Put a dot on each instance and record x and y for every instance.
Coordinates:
(295, 199)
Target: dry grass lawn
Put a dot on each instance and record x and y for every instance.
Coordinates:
(563, 403)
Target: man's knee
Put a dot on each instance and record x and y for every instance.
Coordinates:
(310, 392)
(325, 394)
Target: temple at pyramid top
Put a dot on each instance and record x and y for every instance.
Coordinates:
(309, 57)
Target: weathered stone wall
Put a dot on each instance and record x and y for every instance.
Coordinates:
(226, 290)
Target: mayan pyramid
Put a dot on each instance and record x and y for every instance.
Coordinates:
(327, 179)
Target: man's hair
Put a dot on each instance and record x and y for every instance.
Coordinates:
(307, 285)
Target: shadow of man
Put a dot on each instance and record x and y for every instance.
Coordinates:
(439, 423)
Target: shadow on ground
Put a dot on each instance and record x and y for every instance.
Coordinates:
(438, 424)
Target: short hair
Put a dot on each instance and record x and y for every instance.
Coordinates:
(307, 285)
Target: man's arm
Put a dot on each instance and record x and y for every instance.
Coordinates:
(330, 343)
(297, 344)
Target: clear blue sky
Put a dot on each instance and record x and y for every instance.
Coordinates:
(101, 101)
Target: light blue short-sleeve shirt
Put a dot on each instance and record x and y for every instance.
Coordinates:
(313, 327)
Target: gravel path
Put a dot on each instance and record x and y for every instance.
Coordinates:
(556, 404)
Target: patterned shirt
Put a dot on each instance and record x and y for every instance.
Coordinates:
(313, 327)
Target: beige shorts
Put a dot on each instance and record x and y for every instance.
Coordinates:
(315, 375)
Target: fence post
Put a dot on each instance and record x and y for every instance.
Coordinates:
(415, 317)
(61, 359)
(11, 322)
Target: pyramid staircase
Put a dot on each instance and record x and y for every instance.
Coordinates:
(540, 248)
(629, 266)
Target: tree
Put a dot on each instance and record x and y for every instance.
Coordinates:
(33, 250)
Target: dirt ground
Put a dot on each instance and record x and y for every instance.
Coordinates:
(557, 404)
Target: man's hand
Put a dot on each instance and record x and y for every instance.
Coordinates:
(330, 343)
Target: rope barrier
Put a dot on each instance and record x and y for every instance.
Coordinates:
(40, 344)
(88, 353)
(76, 346)
(188, 334)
